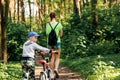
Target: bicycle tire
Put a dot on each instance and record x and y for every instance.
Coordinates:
(51, 77)
(42, 76)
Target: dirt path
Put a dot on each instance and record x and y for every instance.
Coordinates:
(64, 72)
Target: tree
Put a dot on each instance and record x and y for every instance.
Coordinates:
(22, 10)
(18, 10)
(76, 6)
(4, 7)
(0, 32)
(14, 17)
(29, 2)
(94, 13)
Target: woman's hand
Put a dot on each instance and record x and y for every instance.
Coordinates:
(54, 51)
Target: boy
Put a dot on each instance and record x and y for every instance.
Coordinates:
(28, 59)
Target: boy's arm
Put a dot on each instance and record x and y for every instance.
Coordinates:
(38, 47)
(41, 48)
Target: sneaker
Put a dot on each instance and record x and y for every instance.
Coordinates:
(56, 74)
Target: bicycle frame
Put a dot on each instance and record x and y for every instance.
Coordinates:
(46, 69)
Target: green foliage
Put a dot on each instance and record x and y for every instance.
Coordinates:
(96, 67)
(11, 71)
(16, 36)
(72, 40)
(83, 39)
(84, 44)
(104, 70)
(102, 48)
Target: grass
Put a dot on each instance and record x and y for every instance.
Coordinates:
(98, 67)
(11, 71)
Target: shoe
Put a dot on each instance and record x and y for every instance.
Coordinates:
(56, 74)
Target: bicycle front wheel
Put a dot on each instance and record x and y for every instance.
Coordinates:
(42, 76)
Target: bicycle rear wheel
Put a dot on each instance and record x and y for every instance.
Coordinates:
(42, 76)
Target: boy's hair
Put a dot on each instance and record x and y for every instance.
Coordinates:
(52, 15)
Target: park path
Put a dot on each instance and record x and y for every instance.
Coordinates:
(64, 73)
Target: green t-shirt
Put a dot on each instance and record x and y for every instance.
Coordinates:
(57, 29)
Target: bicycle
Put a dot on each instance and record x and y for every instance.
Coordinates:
(46, 74)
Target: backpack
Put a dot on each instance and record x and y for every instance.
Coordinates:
(52, 37)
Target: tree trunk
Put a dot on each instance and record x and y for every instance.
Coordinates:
(94, 13)
(14, 18)
(80, 5)
(4, 16)
(11, 9)
(18, 10)
(38, 16)
(22, 11)
(30, 14)
(0, 32)
(76, 6)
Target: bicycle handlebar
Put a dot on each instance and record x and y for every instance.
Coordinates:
(44, 53)
(48, 53)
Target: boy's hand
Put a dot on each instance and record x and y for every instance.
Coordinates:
(44, 53)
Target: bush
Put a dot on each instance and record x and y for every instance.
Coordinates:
(82, 39)
(101, 49)
(16, 36)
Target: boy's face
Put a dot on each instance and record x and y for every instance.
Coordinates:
(34, 38)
